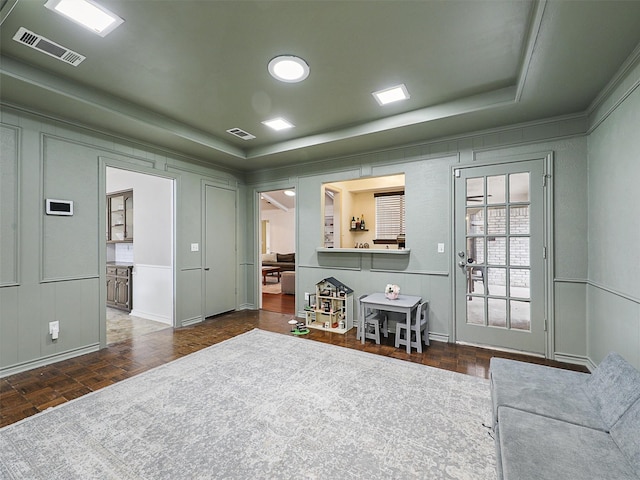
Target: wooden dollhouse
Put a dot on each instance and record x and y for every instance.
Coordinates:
(331, 308)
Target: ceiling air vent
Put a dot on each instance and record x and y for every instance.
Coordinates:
(238, 132)
(44, 45)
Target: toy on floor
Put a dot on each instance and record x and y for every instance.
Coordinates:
(298, 327)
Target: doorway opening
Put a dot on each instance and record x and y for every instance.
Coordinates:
(277, 274)
(139, 254)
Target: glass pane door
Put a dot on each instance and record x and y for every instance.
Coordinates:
(495, 238)
(117, 218)
(128, 208)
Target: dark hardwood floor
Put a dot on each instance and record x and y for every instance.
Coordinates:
(279, 302)
(27, 393)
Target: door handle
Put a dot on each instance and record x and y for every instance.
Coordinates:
(468, 264)
(206, 269)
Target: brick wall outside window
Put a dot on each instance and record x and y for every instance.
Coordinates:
(496, 246)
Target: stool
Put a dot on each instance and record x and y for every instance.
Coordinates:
(372, 329)
(288, 284)
(374, 321)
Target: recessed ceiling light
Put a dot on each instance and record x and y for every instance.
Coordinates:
(393, 94)
(288, 68)
(289, 193)
(278, 124)
(86, 13)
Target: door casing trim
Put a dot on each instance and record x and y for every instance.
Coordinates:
(547, 157)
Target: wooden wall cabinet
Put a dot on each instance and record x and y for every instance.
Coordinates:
(120, 287)
(120, 217)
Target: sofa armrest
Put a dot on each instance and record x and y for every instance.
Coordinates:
(613, 387)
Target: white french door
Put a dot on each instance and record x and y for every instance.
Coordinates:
(499, 253)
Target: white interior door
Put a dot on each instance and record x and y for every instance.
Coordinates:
(499, 254)
(219, 250)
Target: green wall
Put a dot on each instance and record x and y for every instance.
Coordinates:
(428, 170)
(53, 267)
(613, 295)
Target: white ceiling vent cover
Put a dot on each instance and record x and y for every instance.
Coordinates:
(238, 132)
(44, 45)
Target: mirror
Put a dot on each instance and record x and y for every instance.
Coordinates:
(364, 213)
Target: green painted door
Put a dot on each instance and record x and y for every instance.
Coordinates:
(219, 250)
(500, 255)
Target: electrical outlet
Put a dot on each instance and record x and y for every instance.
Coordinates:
(195, 247)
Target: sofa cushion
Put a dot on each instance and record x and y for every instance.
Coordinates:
(269, 257)
(286, 257)
(613, 387)
(626, 434)
(541, 448)
(548, 391)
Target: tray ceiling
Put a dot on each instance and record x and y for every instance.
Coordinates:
(179, 75)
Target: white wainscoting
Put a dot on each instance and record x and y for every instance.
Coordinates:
(153, 293)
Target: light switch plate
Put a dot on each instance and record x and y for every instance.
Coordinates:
(441, 248)
(195, 247)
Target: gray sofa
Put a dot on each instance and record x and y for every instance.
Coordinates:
(286, 261)
(558, 424)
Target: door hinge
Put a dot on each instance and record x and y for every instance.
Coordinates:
(544, 252)
(456, 173)
(545, 324)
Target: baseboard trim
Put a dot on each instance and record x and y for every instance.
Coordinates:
(41, 362)
(439, 337)
(575, 360)
(501, 349)
(151, 316)
(191, 321)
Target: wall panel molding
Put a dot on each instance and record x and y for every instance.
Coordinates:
(203, 172)
(9, 205)
(570, 280)
(69, 245)
(612, 291)
(104, 137)
(131, 163)
(523, 134)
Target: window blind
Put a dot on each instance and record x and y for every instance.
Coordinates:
(389, 215)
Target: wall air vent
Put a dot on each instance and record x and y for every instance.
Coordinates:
(44, 45)
(238, 132)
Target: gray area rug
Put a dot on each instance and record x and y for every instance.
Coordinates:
(264, 405)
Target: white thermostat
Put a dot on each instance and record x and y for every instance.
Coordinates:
(59, 207)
